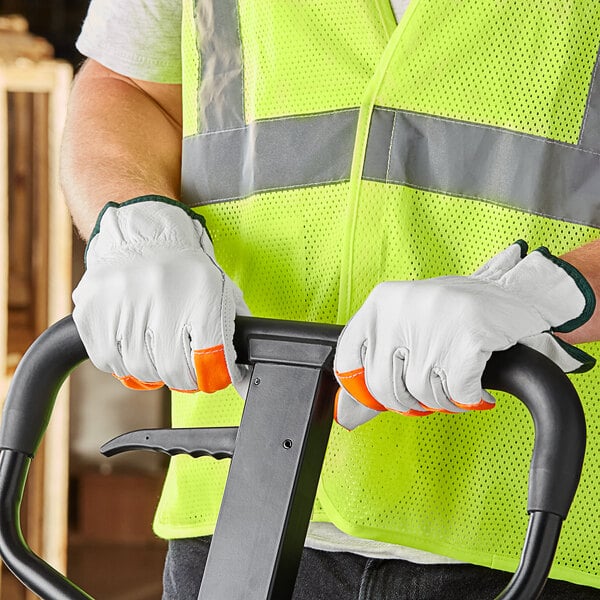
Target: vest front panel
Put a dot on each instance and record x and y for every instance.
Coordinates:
(434, 145)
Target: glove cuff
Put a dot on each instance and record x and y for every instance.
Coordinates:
(555, 289)
(584, 287)
(586, 361)
(138, 200)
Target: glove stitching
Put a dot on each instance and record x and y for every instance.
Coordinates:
(148, 340)
(361, 369)
(141, 247)
(226, 328)
(188, 353)
(213, 350)
(440, 373)
(402, 353)
(202, 239)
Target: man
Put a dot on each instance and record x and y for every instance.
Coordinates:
(338, 160)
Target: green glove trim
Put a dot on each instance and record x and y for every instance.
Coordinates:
(587, 360)
(584, 287)
(524, 247)
(137, 200)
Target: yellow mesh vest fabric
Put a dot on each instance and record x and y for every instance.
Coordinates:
(454, 485)
(287, 70)
(541, 77)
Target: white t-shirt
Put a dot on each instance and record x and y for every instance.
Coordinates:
(137, 38)
(141, 39)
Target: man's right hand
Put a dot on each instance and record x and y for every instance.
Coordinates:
(153, 306)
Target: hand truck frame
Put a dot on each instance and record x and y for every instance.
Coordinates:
(277, 455)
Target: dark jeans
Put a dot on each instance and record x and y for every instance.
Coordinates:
(343, 576)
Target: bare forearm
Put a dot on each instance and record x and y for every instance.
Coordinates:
(586, 259)
(120, 142)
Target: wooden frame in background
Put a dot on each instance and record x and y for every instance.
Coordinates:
(35, 269)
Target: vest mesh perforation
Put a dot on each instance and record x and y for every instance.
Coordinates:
(284, 74)
(520, 67)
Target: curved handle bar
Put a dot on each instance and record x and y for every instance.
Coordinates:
(550, 397)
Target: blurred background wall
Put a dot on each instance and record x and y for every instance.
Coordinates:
(111, 501)
(58, 21)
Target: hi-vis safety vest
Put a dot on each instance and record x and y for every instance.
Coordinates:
(330, 149)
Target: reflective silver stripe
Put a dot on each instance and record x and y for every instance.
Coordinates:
(457, 158)
(221, 102)
(268, 155)
(590, 130)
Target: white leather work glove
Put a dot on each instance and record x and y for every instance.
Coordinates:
(153, 306)
(418, 347)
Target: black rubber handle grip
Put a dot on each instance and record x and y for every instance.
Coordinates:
(559, 421)
(35, 384)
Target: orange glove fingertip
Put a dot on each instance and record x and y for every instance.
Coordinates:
(211, 369)
(481, 405)
(354, 383)
(133, 383)
(411, 412)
